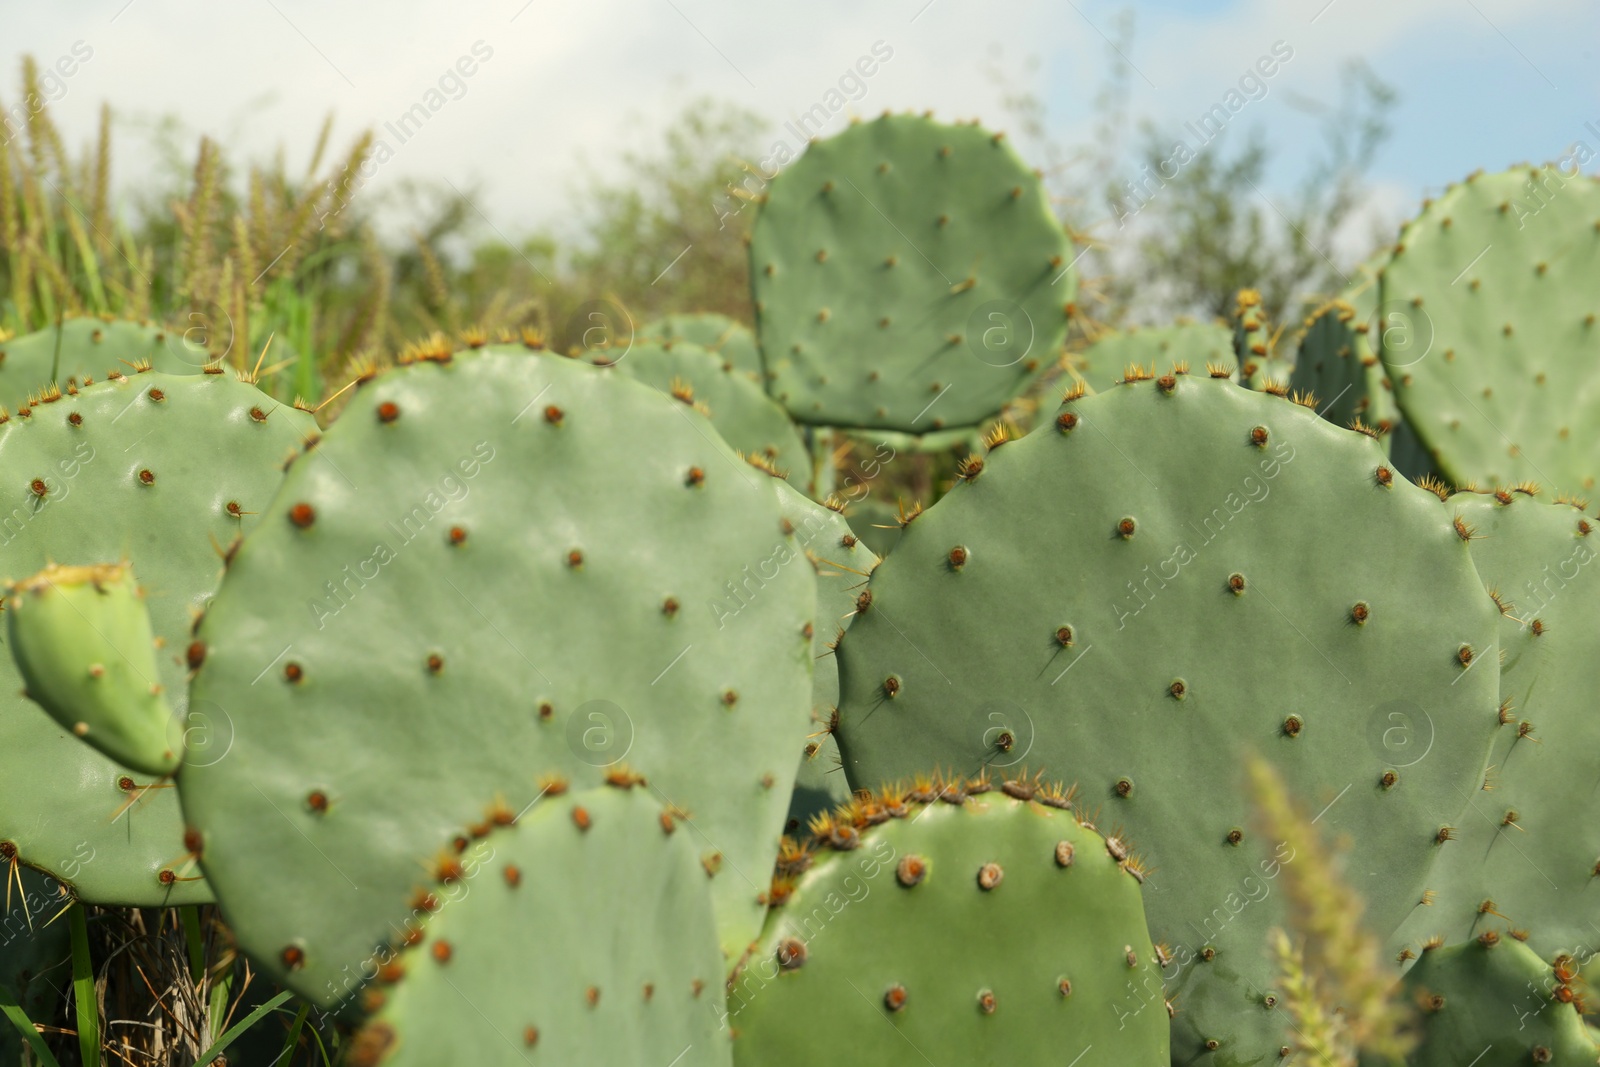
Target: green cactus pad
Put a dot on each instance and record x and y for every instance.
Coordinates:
(583, 934)
(730, 341)
(1122, 597)
(1528, 843)
(163, 472)
(1494, 1003)
(990, 930)
(1490, 330)
(91, 348)
(82, 641)
(908, 275)
(1197, 344)
(744, 415)
(491, 571)
(842, 563)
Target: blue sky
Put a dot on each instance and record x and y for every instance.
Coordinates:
(1481, 82)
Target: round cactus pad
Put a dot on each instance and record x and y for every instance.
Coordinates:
(162, 472)
(908, 275)
(1489, 328)
(1124, 598)
(493, 574)
(583, 934)
(988, 930)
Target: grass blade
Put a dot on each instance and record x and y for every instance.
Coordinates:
(83, 997)
(19, 1018)
(246, 1023)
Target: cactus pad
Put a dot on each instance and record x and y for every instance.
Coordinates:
(162, 471)
(988, 930)
(1490, 332)
(1197, 344)
(1529, 844)
(91, 348)
(1122, 597)
(1493, 1003)
(583, 934)
(81, 638)
(731, 342)
(493, 573)
(908, 275)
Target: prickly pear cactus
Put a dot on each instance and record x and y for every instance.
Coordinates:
(744, 415)
(93, 348)
(583, 934)
(1198, 345)
(492, 575)
(1261, 359)
(1122, 597)
(1336, 364)
(1493, 1003)
(730, 341)
(971, 926)
(81, 638)
(908, 275)
(164, 472)
(842, 564)
(1527, 849)
(1490, 332)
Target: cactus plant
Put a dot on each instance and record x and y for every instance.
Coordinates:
(1527, 850)
(1196, 344)
(81, 638)
(583, 934)
(1262, 357)
(493, 574)
(1123, 597)
(1489, 327)
(82, 348)
(930, 936)
(907, 275)
(1492, 1002)
(731, 342)
(109, 472)
(744, 415)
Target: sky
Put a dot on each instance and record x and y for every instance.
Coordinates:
(555, 86)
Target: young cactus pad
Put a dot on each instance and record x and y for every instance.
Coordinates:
(1528, 843)
(493, 575)
(93, 348)
(1489, 328)
(583, 934)
(1124, 597)
(81, 637)
(164, 472)
(1492, 1002)
(908, 275)
(980, 928)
